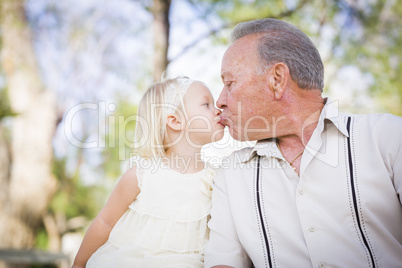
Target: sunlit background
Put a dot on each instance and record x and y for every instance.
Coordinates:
(74, 71)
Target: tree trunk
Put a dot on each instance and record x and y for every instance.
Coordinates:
(31, 184)
(160, 11)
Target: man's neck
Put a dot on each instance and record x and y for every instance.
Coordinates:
(301, 118)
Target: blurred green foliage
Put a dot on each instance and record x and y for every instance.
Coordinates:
(74, 198)
(42, 239)
(376, 48)
(5, 108)
(365, 34)
(119, 138)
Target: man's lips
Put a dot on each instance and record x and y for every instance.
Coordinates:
(223, 121)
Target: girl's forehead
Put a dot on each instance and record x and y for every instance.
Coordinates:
(200, 86)
(198, 89)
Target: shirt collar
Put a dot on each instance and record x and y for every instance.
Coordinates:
(267, 148)
(330, 113)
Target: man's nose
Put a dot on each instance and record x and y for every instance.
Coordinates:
(221, 102)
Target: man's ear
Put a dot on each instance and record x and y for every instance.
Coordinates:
(278, 79)
(173, 121)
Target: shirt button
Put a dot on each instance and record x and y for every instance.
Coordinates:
(321, 265)
(301, 192)
(311, 228)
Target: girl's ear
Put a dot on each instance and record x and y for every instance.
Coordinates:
(278, 80)
(173, 121)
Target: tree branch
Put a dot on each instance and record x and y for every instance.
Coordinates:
(198, 40)
(212, 32)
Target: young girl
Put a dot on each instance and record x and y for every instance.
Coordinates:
(157, 214)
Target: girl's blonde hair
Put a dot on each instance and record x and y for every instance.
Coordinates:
(160, 100)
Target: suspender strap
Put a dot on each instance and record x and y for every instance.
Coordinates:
(354, 196)
(261, 218)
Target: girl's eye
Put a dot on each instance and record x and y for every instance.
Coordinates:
(206, 104)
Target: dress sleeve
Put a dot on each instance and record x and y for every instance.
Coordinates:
(138, 162)
(224, 247)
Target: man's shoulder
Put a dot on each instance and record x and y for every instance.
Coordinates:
(381, 122)
(383, 131)
(375, 116)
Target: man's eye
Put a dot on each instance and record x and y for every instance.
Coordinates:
(228, 84)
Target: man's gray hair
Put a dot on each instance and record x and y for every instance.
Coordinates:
(282, 42)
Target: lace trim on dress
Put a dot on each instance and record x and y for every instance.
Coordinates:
(134, 230)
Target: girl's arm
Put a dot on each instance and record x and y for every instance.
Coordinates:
(122, 196)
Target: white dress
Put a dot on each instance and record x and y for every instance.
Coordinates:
(166, 225)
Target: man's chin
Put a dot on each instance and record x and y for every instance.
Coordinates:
(236, 135)
(240, 136)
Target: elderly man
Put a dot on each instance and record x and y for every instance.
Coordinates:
(320, 188)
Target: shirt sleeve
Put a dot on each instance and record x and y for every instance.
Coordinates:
(224, 247)
(397, 167)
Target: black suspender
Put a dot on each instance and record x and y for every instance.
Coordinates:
(258, 197)
(354, 197)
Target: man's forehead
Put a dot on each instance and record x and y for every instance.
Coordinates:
(241, 51)
(243, 48)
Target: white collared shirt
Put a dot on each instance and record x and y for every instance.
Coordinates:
(344, 211)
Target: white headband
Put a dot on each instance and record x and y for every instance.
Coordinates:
(175, 91)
